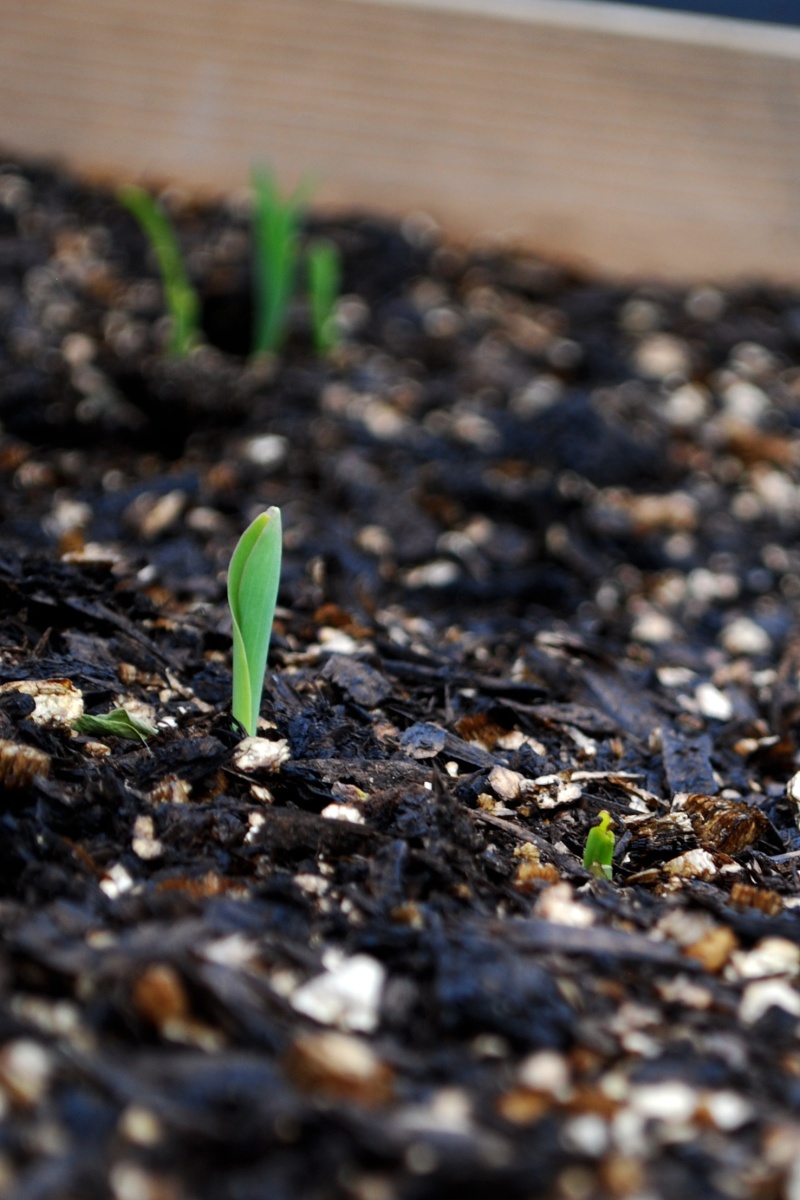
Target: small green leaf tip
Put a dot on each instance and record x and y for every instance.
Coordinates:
(600, 848)
(253, 578)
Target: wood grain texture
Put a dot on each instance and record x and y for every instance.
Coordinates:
(653, 149)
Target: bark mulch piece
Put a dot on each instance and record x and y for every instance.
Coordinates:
(542, 559)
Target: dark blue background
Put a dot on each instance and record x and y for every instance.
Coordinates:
(778, 12)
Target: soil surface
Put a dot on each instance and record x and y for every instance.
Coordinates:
(542, 559)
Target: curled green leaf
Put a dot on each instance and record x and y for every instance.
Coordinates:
(253, 578)
(600, 848)
(117, 723)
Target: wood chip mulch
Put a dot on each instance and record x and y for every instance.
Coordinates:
(542, 559)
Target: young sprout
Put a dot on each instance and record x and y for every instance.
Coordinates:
(324, 278)
(253, 578)
(600, 848)
(276, 235)
(182, 301)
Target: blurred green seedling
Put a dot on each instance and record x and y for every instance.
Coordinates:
(600, 848)
(182, 301)
(253, 578)
(324, 281)
(276, 237)
(118, 723)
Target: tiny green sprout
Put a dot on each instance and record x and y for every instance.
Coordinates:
(119, 723)
(600, 848)
(276, 233)
(253, 578)
(182, 301)
(324, 279)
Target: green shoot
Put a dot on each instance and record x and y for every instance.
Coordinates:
(253, 578)
(182, 301)
(118, 723)
(276, 236)
(600, 848)
(324, 279)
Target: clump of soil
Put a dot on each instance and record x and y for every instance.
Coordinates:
(541, 560)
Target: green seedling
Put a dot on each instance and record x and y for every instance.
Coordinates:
(324, 279)
(182, 301)
(118, 723)
(600, 848)
(276, 234)
(253, 578)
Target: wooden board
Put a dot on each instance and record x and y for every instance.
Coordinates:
(639, 142)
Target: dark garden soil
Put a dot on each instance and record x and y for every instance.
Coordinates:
(542, 558)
